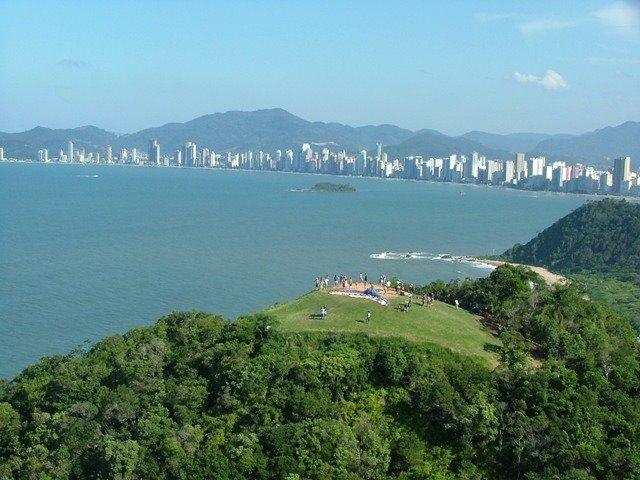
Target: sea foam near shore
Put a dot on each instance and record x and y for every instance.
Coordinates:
(427, 256)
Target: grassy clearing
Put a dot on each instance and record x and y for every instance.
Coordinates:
(439, 323)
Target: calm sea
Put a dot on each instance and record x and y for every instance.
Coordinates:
(92, 251)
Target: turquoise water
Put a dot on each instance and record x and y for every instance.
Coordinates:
(92, 251)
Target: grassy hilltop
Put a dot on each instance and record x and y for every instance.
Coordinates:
(439, 323)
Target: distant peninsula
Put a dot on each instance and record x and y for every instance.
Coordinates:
(332, 187)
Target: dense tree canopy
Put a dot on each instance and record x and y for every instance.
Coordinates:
(598, 247)
(599, 237)
(196, 396)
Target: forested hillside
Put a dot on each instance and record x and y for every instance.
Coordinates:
(599, 237)
(196, 396)
(598, 247)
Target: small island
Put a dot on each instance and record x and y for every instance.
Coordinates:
(332, 187)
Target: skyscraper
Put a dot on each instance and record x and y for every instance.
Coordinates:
(535, 166)
(70, 152)
(108, 154)
(361, 163)
(189, 154)
(154, 152)
(621, 175)
(520, 167)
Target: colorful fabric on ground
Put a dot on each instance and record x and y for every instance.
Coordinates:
(357, 294)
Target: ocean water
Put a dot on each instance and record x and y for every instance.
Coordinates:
(93, 251)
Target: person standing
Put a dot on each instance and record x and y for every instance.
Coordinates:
(368, 316)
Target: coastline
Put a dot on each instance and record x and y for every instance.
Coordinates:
(589, 196)
(549, 277)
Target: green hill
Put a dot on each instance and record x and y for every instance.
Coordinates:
(598, 247)
(439, 323)
(600, 237)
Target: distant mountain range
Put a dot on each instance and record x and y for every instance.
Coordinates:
(273, 129)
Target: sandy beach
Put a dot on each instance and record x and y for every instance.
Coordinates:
(549, 277)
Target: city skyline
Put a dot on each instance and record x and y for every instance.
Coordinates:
(547, 67)
(528, 173)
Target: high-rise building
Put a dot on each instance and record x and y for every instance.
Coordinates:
(621, 175)
(70, 157)
(189, 154)
(108, 154)
(204, 157)
(606, 181)
(288, 162)
(509, 171)
(361, 163)
(1, 154)
(154, 152)
(471, 166)
(535, 166)
(520, 167)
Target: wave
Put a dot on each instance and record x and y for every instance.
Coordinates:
(427, 256)
(402, 256)
(87, 176)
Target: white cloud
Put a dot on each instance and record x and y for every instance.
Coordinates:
(621, 19)
(620, 15)
(551, 80)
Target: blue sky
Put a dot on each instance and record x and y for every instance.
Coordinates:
(498, 66)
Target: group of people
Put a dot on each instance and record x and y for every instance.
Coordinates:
(341, 280)
(348, 283)
(428, 299)
(401, 288)
(345, 282)
(385, 282)
(322, 281)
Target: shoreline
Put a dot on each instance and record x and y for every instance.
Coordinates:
(593, 195)
(548, 276)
